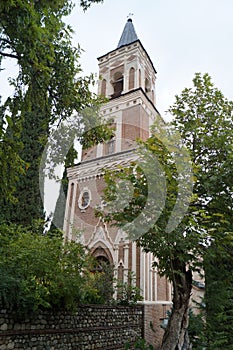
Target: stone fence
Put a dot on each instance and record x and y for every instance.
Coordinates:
(91, 327)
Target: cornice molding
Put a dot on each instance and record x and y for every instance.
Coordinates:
(96, 167)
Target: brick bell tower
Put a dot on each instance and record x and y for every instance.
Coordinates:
(127, 79)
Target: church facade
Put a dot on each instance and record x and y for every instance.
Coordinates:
(127, 79)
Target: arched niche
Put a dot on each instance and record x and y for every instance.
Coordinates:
(140, 78)
(153, 96)
(131, 78)
(147, 85)
(103, 87)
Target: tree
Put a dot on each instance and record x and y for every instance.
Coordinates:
(11, 165)
(212, 153)
(219, 294)
(48, 89)
(179, 238)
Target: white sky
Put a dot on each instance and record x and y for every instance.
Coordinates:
(181, 37)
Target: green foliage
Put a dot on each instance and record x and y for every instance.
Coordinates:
(11, 165)
(103, 282)
(204, 117)
(48, 89)
(136, 196)
(197, 330)
(37, 46)
(140, 344)
(41, 271)
(127, 292)
(85, 4)
(219, 294)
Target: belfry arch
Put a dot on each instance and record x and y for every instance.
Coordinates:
(118, 84)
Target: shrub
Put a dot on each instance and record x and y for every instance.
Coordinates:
(140, 344)
(42, 271)
(127, 292)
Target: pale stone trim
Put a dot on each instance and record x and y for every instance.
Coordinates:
(142, 274)
(99, 152)
(134, 252)
(72, 212)
(93, 240)
(160, 302)
(67, 209)
(126, 261)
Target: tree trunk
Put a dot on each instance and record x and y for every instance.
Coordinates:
(176, 334)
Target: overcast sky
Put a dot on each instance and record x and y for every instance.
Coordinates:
(181, 37)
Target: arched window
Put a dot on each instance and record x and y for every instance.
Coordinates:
(103, 87)
(153, 96)
(118, 84)
(131, 78)
(140, 78)
(147, 85)
(102, 255)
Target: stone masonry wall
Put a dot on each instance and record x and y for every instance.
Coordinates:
(91, 327)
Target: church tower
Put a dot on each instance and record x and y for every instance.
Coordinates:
(127, 80)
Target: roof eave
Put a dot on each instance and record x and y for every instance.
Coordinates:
(133, 42)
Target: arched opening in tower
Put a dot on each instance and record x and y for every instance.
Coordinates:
(118, 84)
(147, 85)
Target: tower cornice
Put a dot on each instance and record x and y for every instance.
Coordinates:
(130, 95)
(123, 48)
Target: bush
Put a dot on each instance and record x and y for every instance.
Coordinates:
(140, 344)
(127, 292)
(104, 282)
(42, 271)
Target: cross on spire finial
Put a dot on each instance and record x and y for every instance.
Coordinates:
(130, 15)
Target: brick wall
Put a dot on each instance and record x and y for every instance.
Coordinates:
(91, 327)
(153, 318)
